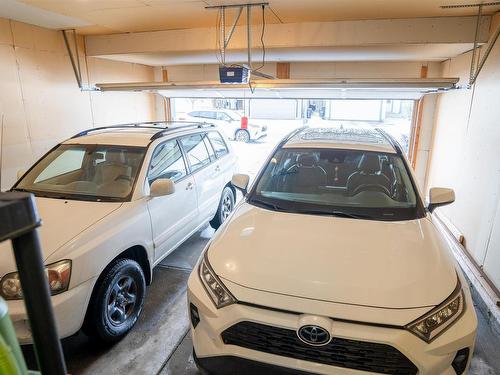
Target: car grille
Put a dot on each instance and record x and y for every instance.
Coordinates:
(358, 355)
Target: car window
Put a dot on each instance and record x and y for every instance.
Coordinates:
(222, 116)
(167, 162)
(85, 172)
(358, 183)
(194, 114)
(208, 114)
(68, 161)
(218, 144)
(196, 151)
(209, 147)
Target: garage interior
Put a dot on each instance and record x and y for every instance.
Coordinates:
(67, 66)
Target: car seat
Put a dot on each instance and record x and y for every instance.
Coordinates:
(368, 176)
(308, 175)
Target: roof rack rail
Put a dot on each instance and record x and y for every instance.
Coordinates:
(166, 130)
(143, 125)
(391, 140)
(291, 135)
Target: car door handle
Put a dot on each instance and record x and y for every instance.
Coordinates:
(189, 186)
(217, 168)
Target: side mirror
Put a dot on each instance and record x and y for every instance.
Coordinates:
(240, 182)
(440, 197)
(161, 187)
(20, 173)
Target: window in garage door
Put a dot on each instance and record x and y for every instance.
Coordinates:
(281, 116)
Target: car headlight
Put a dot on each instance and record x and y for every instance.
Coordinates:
(218, 293)
(440, 318)
(58, 275)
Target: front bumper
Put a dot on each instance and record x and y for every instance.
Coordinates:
(433, 358)
(258, 134)
(69, 310)
(229, 365)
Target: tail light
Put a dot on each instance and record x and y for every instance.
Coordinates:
(244, 122)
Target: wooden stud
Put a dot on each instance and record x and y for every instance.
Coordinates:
(167, 105)
(283, 70)
(418, 122)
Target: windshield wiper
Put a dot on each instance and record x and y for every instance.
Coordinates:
(335, 213)
(264, 204)
(349, 215)
(22, 190)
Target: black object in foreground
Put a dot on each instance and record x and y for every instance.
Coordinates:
(19, 220)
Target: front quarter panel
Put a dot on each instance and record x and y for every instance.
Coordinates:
(92, 250)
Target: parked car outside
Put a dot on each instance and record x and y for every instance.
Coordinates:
(234, 125)
(332, 265)
(114, 202)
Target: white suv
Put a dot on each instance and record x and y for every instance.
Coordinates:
(332, 265)
(114, 202)
(234, 125)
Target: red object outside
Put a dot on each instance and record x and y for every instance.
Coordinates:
(244, 122)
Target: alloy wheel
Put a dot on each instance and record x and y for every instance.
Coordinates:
(227, 207)
(122, 300)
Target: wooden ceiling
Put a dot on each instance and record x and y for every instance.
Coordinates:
(120, 16)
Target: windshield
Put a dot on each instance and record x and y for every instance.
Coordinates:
(348, 183)
(87, 172)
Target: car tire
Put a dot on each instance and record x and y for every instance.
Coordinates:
(226, 206)
(117, 302)
(242, 135)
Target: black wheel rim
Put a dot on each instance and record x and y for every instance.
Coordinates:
(122, 300)
(227, 206)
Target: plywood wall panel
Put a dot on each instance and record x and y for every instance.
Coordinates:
(5, 33)
(121, 107)
(466, 157)
(40, 101)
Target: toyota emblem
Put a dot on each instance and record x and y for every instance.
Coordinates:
(314, 335)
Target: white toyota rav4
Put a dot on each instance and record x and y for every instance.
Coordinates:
(332, 265)
(114, 202)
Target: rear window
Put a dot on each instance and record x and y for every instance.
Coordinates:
(196, 151)
(218, 144)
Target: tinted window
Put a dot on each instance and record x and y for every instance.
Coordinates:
(218, 144)
(196, 151)
(358, 183)
(209, 147)
(167, 162)
(194, 114)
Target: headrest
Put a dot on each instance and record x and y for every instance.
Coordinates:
(308, 160)
(369, 163)
(115, 156)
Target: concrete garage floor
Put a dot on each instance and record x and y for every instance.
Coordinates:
(160, 343)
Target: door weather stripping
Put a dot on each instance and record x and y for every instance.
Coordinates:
(75, 60)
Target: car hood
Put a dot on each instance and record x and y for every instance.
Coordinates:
(62, 220)
(385, 264)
